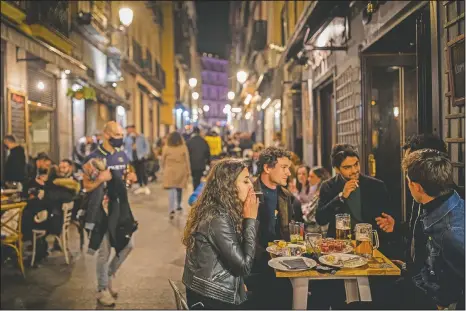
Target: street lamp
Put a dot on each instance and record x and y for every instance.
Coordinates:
(126, 16)
(192, 82)
(231, 95)
(206, 108)
(195, 95)
(241, 76)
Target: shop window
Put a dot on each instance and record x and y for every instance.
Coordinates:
(40, 129)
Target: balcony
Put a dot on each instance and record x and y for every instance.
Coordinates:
(94, 19)
(259, 35)
(14, 10)
(137, 54)
(48, 21)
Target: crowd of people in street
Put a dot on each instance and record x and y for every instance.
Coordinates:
(244, 197)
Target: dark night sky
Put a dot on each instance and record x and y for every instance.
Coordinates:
(213, 27)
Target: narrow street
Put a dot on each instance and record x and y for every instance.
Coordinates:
(142, 281)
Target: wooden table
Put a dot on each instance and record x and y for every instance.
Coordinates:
(356, 280)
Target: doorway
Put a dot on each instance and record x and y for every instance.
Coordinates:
(325, 114)
(392, 76)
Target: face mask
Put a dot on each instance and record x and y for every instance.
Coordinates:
(116, 142)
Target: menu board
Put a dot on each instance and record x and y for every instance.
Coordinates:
(17, 106)
(456, 54)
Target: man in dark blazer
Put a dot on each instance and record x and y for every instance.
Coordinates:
(364, 198)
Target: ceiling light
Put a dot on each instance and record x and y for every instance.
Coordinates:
(67, 71)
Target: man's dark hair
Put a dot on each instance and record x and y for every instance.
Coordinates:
(43, 156)
(340, 152)
(132, 126)
(10, 138)
(270, 157)
(431, 169)
(425, 141)
(196, 130)
(67, 161)
(175, 139)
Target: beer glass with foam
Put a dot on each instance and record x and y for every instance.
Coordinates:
(343, 227)
(366, 240)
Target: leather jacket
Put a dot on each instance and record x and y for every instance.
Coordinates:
(220, 259)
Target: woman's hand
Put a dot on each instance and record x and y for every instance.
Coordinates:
(251, 205)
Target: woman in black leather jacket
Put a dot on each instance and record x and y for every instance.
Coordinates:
(220, 238)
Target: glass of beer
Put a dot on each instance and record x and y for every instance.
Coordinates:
(366, 240)
(343, 227)
(294, 232)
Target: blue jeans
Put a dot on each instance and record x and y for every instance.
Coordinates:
(106, 269)
(174, 199)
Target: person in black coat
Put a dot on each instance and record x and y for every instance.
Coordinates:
(15, 166)
(363, 197)
(199, 155)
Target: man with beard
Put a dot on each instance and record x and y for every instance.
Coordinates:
(364, 198)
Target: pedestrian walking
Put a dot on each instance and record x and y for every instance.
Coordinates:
(220, 238)
(137, 149)
(109, 218)
(176, 170)
(15, 165)
(199, 155)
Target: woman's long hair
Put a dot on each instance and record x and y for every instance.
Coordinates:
(219, 195)
(322, 173)
(175, 139)
(300, 186)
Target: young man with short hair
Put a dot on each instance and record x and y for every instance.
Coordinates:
(429, 174)
(275, 214)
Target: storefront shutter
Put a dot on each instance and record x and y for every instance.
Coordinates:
(348, 107)
(45, 96)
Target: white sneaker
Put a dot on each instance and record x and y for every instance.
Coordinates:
(146, 190)
(139, 191)
(105, 298)
(112, 290)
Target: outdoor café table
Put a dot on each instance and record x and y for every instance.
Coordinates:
(356, 280)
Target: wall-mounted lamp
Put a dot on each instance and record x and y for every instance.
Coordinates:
(126, 16)
(192, 82)
(41, 85)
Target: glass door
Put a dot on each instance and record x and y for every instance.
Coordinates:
(392, 117)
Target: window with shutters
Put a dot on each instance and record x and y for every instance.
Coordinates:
(348, 107)
(453, 110)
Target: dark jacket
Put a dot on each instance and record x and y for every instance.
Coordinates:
(374, 200)
(284, 217)
(199, 152)
(220, 259)
(119, 223)
(15, 166)
(442, 276)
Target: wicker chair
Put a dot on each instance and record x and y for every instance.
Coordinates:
(11, 234)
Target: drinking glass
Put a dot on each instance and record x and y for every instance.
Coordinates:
(301, 233)
(366, 240)
(294, 232)
(312, 242)
(343, 227)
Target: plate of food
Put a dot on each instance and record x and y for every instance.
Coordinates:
(295, 263)
(10, 191)
(282, 248)
(328, 246)
(340, 260)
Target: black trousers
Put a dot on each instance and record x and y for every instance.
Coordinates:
(197, 175)
(140, 167)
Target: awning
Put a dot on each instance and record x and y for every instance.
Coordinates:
(317, 13)
(11, 33)
(107, 96)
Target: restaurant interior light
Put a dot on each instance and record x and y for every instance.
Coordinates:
(195, 95)
(206, 108)
(126, 16)
(231, 95)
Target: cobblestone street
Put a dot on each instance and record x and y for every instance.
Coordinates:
(142, 281)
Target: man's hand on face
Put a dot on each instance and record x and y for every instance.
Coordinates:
(350, 186)
(386, 222)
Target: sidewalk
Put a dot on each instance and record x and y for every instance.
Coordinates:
(142, 281)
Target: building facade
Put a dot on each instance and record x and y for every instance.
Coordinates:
(366, 73)
(215, 87)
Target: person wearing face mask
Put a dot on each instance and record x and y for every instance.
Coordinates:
(108, 216)
(220, 237)
(15, 165)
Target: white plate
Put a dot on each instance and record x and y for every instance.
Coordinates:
(338, 256)
(275, 263)
(9, 191)
(274, 250)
